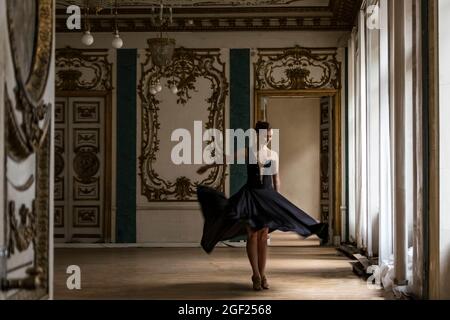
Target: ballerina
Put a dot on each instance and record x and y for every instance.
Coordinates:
(256, 210)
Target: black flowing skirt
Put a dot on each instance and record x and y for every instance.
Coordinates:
(226, 219)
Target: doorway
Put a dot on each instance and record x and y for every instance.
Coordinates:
(309, 156)
(82, 193)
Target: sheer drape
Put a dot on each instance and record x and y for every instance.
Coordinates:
(384, 79)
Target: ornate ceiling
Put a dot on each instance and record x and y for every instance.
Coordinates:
(224, 15)
(198, 3)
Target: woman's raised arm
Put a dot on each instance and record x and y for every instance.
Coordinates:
(229, 159)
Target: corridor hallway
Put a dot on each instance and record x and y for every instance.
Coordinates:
(117, 116)
(295, 273)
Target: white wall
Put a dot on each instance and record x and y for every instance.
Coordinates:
(165, 223)
(298, 120)
(444, 110)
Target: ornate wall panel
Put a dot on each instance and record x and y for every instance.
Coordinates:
(297, 68)
(203, 88)
(26, 106)
(83, 70)
(82, 151)
(304, 72)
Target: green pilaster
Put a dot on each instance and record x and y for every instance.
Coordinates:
(126, 146)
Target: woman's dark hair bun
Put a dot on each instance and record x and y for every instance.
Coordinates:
(262, 125)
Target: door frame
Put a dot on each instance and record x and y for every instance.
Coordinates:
(336, 131)
(107, 95)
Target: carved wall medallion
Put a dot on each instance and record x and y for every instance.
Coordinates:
(188, 66)
(27, 133)
(86, 164)
(297, 68)
(25, 138)
(31, 44)
(83, 70)
(23, 230)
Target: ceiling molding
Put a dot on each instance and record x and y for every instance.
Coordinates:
(345, 10)
(197, 3)
(216, 10)
(214, 24)
(339, 15)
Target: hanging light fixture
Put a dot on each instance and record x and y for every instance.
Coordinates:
(117, 42)
(173, 86)
(87, 38)
(162, 48)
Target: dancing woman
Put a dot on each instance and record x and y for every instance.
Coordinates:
(255, 210)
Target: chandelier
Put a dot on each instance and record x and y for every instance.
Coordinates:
(161, 48)
(97, 6)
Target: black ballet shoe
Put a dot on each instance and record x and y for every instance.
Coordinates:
(264, 283)
(256, 283)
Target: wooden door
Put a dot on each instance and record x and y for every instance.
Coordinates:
(80, 169)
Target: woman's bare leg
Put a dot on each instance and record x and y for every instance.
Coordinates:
(262, 250)
(252, 250)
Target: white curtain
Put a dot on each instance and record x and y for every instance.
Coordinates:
(351, 118)
(373, 140)
(385, 221)
(384, 78)
(361, 137)
(444, 149)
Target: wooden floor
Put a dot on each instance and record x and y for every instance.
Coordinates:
(188, 273)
